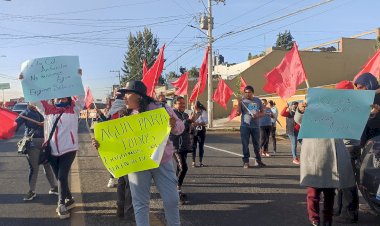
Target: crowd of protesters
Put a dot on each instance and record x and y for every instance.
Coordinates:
(326, 165)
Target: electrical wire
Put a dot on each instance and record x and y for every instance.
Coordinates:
(272, 20)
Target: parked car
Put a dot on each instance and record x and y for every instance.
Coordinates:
(19, 107)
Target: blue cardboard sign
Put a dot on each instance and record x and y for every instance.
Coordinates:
(51, 77)
(333, 113)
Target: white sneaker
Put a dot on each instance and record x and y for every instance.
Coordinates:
(112, 182)
(62, 211)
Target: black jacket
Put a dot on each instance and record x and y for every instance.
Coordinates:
(182, 142)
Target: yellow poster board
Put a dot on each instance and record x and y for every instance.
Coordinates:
(133, 143)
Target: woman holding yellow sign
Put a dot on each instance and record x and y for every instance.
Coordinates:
(164, 176)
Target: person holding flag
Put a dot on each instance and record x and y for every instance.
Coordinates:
(35, 130)
(251, 109)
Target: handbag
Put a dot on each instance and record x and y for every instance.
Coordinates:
(45, 154)
(24, 144)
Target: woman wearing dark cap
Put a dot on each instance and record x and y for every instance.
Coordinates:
(164, 176)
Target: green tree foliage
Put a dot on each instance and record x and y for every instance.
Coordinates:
(171, 76)
(285, 40)
(182, 70)
(194, 72)
(141, 46)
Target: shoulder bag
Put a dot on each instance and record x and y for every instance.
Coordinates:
(45, 154)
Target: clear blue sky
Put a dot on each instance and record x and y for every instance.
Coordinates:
(97, 31)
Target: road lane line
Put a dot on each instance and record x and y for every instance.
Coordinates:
(225, 151)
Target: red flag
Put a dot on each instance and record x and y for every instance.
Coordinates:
(145, 68)
(8, 124)
(153, 74)
(285, 78)
(222, 94)
(201, 84)
(233, 113)
(182, 84)
(89, 99)
(372, 66)
(243, 84)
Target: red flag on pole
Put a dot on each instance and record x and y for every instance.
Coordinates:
(372, 66)
(181, 84)
(145, 68)
(222, 94)
(153, 74)
(200, 86)
(285, 78)
(89, 99)
(243, 84)
(8, 124)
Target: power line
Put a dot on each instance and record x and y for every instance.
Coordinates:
(297, 21)
(97, 9)
(272, 20)
(245, 13)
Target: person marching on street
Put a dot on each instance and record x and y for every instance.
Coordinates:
(346, 206)
(292, 128)
(200, 120)
(124, 205)
(182, 144)
(325, 166)
(274, 109)
(251, 109)
(265, 128)
(36, 131)
(164, 176)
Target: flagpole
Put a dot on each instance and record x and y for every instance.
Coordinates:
(307, 83)
(29, 119)
(245, 106)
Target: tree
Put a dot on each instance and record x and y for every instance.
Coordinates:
(249, 56)
(194, 72)
(285, 40)
(171, 76)
(142, 46)
(182, 70)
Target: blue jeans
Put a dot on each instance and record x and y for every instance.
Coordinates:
(166, 182)
(245, 134)
(293, 140)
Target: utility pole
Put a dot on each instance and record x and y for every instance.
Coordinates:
(118, 71)
(209, 79)
(210, 21)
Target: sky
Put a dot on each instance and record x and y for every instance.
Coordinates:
(97, 31)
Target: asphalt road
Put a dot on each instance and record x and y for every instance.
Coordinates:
(223, 193)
